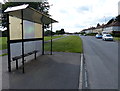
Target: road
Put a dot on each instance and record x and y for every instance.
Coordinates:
(101, 58)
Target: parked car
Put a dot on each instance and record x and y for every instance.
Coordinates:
(84, 34)
(98, 36)
(107, 37)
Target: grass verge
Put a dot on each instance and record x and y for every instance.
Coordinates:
(67, 44)
(117, 38)
(3, 43)
(4, 54)
(46, 38)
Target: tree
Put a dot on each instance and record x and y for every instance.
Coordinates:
(60, 31)
(118, 18)
(110, 21)
(57, 32)
(4, 20)
(48, 33)
(43, 7)
(98, 25)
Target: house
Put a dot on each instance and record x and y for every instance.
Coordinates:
(99, 29)
(89, 30)
(114, 26)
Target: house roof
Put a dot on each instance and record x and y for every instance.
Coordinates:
(101, 26)
(91, 28)
(115, 23)
(29, 14)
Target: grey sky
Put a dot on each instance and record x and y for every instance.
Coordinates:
(75, 15)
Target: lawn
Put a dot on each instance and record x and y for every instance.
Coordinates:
(3, 43)
(117, 38)
(46, 38)
(4, 54)
(67, 44)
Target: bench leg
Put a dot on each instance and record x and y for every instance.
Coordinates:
(35, 55)
(23, 67)
(17, 64)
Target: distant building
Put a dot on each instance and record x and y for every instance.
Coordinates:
(114, 26)
(89, 30)
(99, 29)
(108, 28)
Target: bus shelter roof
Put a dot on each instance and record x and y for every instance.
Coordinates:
(29, 14)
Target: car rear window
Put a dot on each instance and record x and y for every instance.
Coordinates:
(108, 35)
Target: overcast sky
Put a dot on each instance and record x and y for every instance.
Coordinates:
(75, 15)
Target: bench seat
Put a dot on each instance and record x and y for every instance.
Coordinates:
(25, 55)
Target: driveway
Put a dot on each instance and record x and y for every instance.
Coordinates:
(101, 58)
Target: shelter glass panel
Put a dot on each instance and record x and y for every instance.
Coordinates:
(16, 49)
(15, 28)
(29, 46)
(38, 30)
(29, 29)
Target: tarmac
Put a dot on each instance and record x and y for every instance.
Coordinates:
(3, 51)
(58, 71)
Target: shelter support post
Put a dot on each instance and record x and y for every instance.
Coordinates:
(22, 43)
(51, 37)
(8, 44)
(43, 39)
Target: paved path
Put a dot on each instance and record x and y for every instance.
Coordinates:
(55, 39)
(3, 51)
(57, 71)
(101, 58)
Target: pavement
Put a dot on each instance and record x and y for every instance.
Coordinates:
(54, 39)
(101, 58)
(58, 71)
(3, 51)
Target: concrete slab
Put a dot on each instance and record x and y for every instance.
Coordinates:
(57, 71)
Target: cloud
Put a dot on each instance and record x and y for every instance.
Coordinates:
(83, 9)
(105, 19)
(75, 15)
(63, 11)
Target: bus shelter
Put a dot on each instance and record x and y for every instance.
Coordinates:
(25, 33)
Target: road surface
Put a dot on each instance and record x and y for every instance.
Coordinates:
(101, 58)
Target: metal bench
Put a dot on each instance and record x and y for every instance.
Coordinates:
(25, 55)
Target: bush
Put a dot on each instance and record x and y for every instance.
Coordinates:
(116, 34)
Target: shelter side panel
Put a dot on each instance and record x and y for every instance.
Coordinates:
(15, 28)
(29, 29)
(16, 49)
(38, 30)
